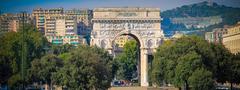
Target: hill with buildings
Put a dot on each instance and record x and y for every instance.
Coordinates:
(198, 18)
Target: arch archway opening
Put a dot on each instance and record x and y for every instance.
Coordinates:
(127, 56)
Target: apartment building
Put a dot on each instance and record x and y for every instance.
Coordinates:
(62, 29)
(216, 35)
(231, 38)
(13, 22)
(84, 16)
(39, 15)
(60, 25)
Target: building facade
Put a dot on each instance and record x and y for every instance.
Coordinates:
(84, 16)
(59, 26)
(121, 40)
(216, 35)
(13, 22)
(39, 15)
(68, 39)
(62, 29)
(231, 39)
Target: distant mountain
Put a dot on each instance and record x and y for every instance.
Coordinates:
(198, 12)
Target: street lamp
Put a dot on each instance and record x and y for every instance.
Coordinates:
(23, 56)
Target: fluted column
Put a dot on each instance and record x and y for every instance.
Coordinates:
(144, 68)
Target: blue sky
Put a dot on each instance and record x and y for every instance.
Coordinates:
(27, 5)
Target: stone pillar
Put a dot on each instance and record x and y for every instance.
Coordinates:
(144, 68)
(110, 51)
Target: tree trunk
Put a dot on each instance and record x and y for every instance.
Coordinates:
(186, 85)
(231, 86)
(179, 88)
(51, 85)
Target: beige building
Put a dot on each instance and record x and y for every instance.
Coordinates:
(60, 25)
(177, 35)
(39, 15)
(84, 16)
(231, 39)
(62, 29)
(13, 22)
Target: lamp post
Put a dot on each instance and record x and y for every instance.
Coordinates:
(23, 54)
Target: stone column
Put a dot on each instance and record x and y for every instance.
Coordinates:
(144, 68)
(110, 51)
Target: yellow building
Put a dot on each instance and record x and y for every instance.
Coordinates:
(231, 39)
(121, 40)
(177, 35)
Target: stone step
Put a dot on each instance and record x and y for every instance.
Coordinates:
(143, 88)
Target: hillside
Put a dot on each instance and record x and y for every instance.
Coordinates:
(199, 12)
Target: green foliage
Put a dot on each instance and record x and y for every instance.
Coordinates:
(229, 15)
(75, 68)
(15, 81)
(60, 49)
(43, 69)
(65, 56)
(235, 69)
(204, 10)
(126, 62)
(87, 68)
(222, 58)
(177, 62)
(187, 64)
(201, 79)
(11, 52)
(5, 69)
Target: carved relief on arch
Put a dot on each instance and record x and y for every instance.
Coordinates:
(103, 43)
(159, 42)
(149, 43)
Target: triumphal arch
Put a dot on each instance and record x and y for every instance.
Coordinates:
(141, 23)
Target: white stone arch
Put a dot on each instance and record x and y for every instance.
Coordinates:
(110, 23)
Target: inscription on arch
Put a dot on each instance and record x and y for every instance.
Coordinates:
(124, 26)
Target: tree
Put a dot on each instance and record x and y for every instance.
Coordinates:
(5, 69)
(234, 70)
(88, 68)
(42, 70)
(201, 79)
(11, 52)
(177, 61)
(186, 66)
(159, 74)
(60, 49)
(126, 62)
(222, 63)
